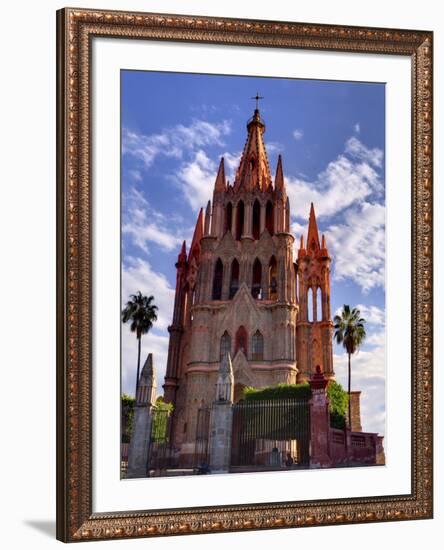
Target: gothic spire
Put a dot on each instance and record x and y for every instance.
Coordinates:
(198, 231)
(313, 234)
(182, 257)
(220, 183)
(279, 178)
(254, 169)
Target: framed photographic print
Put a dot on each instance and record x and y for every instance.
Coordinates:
(244, 274)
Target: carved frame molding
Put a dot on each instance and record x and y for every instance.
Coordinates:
(75, 31)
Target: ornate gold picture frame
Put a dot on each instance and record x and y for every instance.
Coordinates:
(76, 29)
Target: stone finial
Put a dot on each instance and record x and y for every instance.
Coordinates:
(318, 380)
(225, 380)
(146, 392)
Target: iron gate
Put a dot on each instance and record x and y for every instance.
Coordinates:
(162, 454)
(201, 453)
(271, 434)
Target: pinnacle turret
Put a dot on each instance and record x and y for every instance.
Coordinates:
(220, 183)
(313, 234)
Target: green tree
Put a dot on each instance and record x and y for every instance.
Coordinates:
(141, 312)
(350, 332)
(127, 408)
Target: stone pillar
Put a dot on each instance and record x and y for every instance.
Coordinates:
(221, 419)
(355, 405)
(319, 421)
(143, 413)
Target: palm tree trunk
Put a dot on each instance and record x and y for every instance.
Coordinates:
(349, 392)
(138, 363)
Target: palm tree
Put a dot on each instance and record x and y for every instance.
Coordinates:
(141, 311)
(350, 332)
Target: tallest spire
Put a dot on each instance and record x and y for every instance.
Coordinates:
(254, 169)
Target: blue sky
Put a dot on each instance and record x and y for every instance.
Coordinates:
(175, 128)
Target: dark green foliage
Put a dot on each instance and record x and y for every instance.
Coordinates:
(349, 329)
(127, 403)
(142, 313)
(337, 397)
(281, 391)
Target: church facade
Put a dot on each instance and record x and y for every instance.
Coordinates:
(243, 288)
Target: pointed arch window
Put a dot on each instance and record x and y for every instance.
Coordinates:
(225, 345)
(269, 221)
(241, 341)
(272, 279)
(318, 304)
(234, 278)
(256, 288)
(240, 215)
(256, 220)
(310, 305)
(228, 217)
(257, 346)
(217, 281)
(186, 305)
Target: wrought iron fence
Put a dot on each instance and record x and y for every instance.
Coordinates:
(271, 434)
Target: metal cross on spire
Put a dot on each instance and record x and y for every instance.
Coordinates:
(257, 97)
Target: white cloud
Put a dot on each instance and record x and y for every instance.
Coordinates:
(197, 178)
(274, 147)
(298, 134)
(357, 128)
(344, 182)
(144, 224)
(357, 149)
(358, 246)
(136, 175)
(137, 274)
(374, 315)
(172, 142)
(375, 339)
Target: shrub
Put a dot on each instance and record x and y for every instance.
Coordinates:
(337, 396)
(338, 399)
(127, 403)
(281, 391)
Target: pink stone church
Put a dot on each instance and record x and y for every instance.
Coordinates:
(240, 289)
